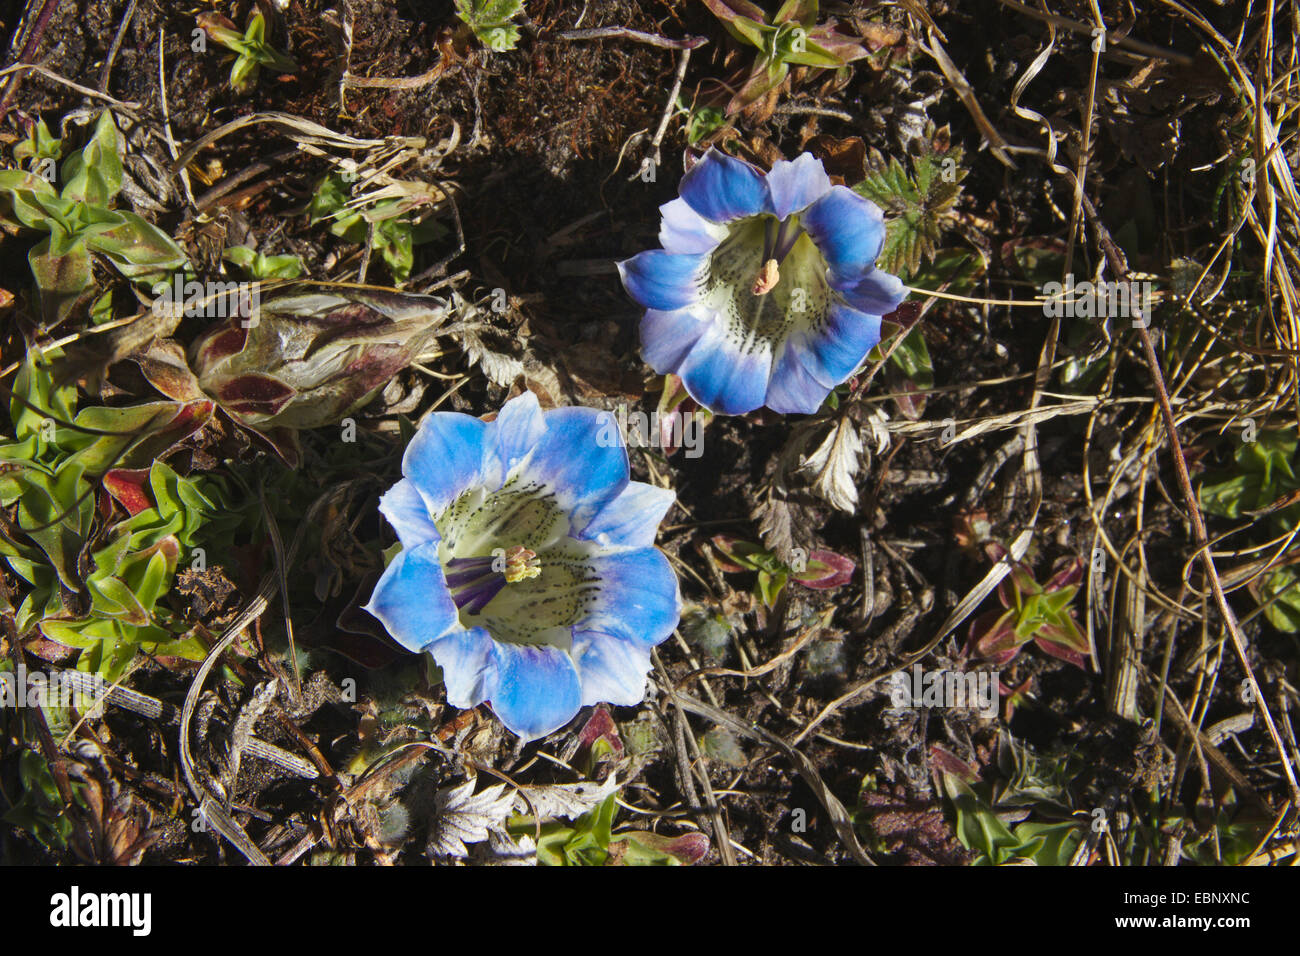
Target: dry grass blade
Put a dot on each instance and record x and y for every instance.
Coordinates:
(210, 806)
(839, 816)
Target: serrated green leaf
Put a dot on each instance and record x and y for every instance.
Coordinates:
(918, 204)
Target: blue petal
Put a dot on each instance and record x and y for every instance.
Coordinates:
(412, 600)
(446, 456)
(683, 230)
(721, 188)
(877, 293)
(722, 377)
(638, 599)
(518, 428)
(467, 665)
(611, 670)
(795, 184)
(662, 280)
(534, 688)
(632, 519)
(848, 229)
(408, 514)
(793, 389)
(582, 459)
(834, 351)
(666, 337)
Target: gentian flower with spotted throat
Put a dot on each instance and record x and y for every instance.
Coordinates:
(765, 290)
(528, 568)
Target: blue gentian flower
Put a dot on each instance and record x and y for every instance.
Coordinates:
(528, 567)
(765, 290)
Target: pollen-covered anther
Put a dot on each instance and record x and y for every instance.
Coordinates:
(768, 276)
(521, 564)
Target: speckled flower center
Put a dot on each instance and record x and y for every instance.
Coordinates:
(765, 278)
(512, 566)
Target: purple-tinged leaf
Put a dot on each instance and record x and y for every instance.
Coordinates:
(1063, 652)
(254, 394)
(127, 485)
(949, 764)
(687, 849)
(825, 570)
(736, 554)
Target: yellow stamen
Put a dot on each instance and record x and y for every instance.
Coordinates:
(521, 564)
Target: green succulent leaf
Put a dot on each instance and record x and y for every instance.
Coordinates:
(93, 174)
(55, 512)
(40, 811)
(1264, 473)
(113, 599)
(139, 250)
(24, 196)
(261, 266)
(1280, 595)
(39, 146)
(61, 266)
(36, 398)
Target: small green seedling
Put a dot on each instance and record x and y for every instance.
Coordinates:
(79, 222)
(591, 841)
(252, 49)
(819, 569)
(39, 151)
(919, 204)
(792, 37)
(1262, 483)
(260, 266)
(382, 217)
(1050, 837)
(1034, 612)
(701, 121)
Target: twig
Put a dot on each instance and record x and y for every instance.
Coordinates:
(671, 106)
(685, 739)
(116, 45)
(395, 82)
(126, 106)
(839, 816)
(209, 806)
(39, 27)
(1127, 43)
(623, 33)
(1119, 267)
(167, 121)
(281, 562)
(795, 647)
